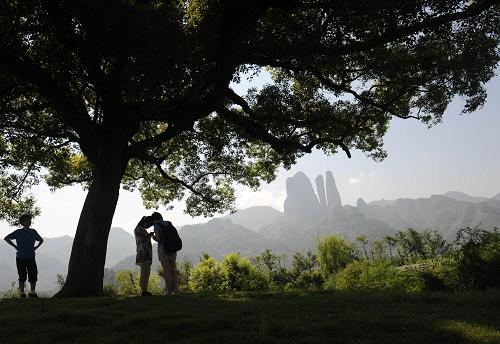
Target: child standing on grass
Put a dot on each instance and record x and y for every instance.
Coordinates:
(25, 256)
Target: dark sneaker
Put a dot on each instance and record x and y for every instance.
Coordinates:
(22, 295)
(32, 295)
(146, 293)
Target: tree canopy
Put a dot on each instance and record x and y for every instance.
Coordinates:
(138, 93)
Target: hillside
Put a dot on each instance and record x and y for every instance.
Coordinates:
(217, 237)
(255, 218)
(308, 216)
(460, 196)
(438, 212)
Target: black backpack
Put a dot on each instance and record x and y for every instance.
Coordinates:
(170, 239)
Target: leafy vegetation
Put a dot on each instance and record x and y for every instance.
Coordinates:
(424, 263)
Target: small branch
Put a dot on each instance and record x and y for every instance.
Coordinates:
(186, 185)
(138, 149)
(255, 130)
(16, 190)
(201, 176)
(366, 100)
(74, 115)
(392, 35)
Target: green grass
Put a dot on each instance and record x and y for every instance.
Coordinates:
(291, 317)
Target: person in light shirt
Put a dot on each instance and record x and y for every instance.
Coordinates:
(144, 256)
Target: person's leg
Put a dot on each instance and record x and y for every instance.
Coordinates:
(21, 288)
(32, 276)
(167, 275)
(173, 271)
(21, 271)
(145, 271)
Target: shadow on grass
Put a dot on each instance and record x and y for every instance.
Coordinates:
(292, 317)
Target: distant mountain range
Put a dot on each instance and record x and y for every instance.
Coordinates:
(307, 216)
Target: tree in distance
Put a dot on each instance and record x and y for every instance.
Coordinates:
(137, 94)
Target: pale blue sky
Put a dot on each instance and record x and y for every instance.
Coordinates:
(461, 154)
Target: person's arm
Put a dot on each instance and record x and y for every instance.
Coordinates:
(9, 241)
(156, 235)
(40, 242)
(39, 239)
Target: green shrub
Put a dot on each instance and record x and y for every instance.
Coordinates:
(109, 290)
(478, 257)
(438, 274)
(270, 265)
(364, 275)
(410, 279)
(128, 283)
(334, 253)
(240, 274)
(207, 275)
(184, 269)
(383, 275)
(445, 270)
(12, 292)
(280, 278)
(234, 273)
(307, 280)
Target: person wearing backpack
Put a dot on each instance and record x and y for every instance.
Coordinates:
(169, 243)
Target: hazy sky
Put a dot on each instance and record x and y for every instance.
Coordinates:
(460, 154)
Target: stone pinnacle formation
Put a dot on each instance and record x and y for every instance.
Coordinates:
(320, 186)
(332, 194)
(301, 201)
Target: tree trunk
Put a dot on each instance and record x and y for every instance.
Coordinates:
(88, 254)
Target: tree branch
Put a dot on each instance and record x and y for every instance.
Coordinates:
(261, 57)
(190, 187)
(366, 100)
(281, 146)
(74, 115)
(16, 190)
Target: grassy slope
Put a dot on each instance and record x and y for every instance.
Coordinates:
(256, 318)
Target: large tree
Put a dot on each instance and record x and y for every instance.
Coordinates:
(137, 94)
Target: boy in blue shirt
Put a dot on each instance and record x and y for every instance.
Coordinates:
(25, 256)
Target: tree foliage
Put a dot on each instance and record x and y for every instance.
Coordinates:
(478, 256)
(153, 77)
(334, 253)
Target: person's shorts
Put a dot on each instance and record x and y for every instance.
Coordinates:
(26, 267)
(163, 255)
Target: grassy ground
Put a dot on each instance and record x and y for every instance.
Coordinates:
(256, 318)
